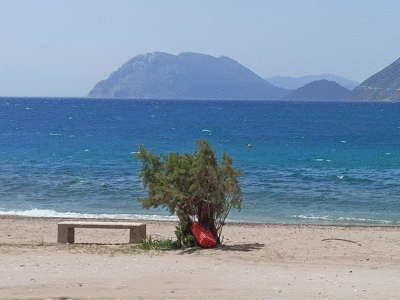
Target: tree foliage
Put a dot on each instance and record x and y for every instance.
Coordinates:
(194, 187)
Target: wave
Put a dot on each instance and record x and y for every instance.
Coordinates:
(295, 219)
(344, 220)
(48, 213)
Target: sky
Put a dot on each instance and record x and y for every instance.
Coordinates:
(53, 48)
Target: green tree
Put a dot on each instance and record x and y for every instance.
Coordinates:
(194, 187)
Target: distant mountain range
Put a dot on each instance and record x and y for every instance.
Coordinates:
(185, 76)
(197, 76)
(293, 83)
(320, 90)
(382, 86)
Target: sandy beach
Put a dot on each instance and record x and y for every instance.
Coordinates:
(256, 261)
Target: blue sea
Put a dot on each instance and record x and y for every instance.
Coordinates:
(309, 162)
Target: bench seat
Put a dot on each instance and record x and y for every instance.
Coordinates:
(66, 230)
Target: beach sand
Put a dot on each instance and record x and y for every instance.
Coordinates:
(256, 261)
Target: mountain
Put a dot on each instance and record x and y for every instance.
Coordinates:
(382, 86)
(185, 76)
(321, 90)
(295, 83)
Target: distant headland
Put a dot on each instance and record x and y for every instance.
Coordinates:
(320, 90)
(185, 76)
(188, 75)
(382, 86)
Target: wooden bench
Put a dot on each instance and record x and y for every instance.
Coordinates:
(66, 230)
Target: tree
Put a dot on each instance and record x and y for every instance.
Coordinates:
(194, 187)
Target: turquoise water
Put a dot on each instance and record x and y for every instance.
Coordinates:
(309, 162)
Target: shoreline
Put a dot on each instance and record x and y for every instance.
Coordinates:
(227, 222)
(273, 261)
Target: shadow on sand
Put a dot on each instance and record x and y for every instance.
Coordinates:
(239, 247)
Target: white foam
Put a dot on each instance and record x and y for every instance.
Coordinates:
(48, 213)
(331, 219)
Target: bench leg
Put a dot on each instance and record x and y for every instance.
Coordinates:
(137, 234)
(65, 234)
(71, 235)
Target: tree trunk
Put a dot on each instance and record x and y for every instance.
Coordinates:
(210, 224)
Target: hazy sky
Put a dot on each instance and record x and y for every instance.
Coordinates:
(63, 48)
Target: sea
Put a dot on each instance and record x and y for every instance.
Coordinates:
(302, 162)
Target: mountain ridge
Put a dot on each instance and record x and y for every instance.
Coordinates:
(382, 86)
(297, 82)
(188, 75)
(320, 90)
